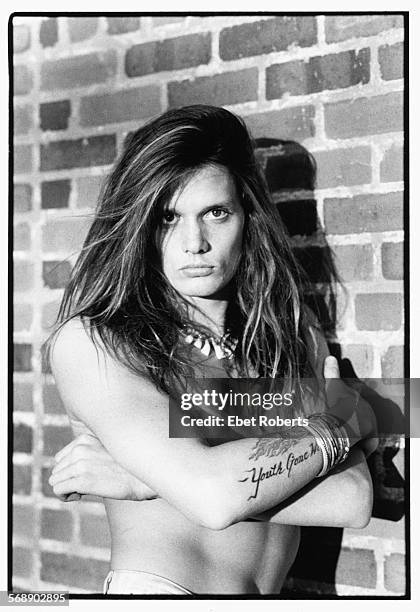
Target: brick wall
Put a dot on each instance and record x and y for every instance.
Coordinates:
(331, 83)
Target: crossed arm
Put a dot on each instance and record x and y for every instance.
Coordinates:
(213, 486)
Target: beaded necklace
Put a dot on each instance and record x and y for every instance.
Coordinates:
(224, 347)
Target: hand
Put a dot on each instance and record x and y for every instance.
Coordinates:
(347, 404)
(84, 467)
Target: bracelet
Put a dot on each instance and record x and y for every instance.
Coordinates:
(332, 439)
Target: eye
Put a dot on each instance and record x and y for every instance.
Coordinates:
(168, 217)
(218, 213)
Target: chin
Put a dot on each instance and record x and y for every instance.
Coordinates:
(200, 287)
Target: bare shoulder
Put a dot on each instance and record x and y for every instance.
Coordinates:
(87, 374)
(74, 346)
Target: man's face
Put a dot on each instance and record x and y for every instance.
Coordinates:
(201, 240)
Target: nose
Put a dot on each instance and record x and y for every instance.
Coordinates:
(193, 238)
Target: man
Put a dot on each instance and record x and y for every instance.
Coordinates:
(186, 271)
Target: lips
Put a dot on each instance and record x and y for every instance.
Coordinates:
(195, 266)
(197, 270)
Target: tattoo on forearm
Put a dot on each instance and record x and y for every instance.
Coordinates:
(256, 476)
(271, 447)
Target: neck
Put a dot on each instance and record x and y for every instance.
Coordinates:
(208, 312)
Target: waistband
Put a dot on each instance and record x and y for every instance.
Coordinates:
(125, 581)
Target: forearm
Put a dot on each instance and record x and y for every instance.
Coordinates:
(257, 474)
(350, 487)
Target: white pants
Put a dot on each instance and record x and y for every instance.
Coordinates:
(140, 583)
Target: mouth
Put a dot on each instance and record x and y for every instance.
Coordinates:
(197, 270)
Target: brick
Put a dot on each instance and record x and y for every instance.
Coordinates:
(23, 521)
(22, 438)
(21, 38)
(395, 573)
(55, 115)
(88, 189)
(378, 311)
(22, 479)
(22, 356)
(82, 28)
(94, 531)
(47, 490)
(339, 70)
(354, 262)
(48, 32)
(121, 25)
(128, 105)
(55, 194)
(391, 61)
(49, 315)
(326, 72)
(363, 116)
(170, 54)
(392, 164)
(22, 562)
(23, 275)
(289, 77)
(56, 274)
(56, 525)
(162, 21)
(85, 573)
(22, 317)
(22, 237)
(219, 90)
(22, 80)
(80, 153)
(364, 213)
(22, 159)
(266, 36)
(51, 400)
(78, 70)
(22, 197)
(55, 438)
(361, 358)
(356, 567)
(22, 396)
(343, 167)
(357, 26)
(392, 362)
(392, 260)
(290, 123)
(22, 119)
(64, 235)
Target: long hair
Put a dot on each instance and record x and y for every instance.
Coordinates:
(117, 286)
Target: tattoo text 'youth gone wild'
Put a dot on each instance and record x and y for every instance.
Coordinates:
(271, 448)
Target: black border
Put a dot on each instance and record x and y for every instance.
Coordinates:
(406, 247)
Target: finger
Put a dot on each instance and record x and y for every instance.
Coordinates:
(72, 470)
(85, 439)
(66, 449)
(331, 369)
(370, 445)
(77, 453)
(68, 497)
(70, 486)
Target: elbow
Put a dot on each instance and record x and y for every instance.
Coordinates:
(211, 508)
(363, 502)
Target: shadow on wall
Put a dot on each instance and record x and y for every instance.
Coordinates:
(290, 171)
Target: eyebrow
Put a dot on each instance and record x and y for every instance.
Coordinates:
(210, 206)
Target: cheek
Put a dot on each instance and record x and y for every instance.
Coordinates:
(231, 246)
(168, 252)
